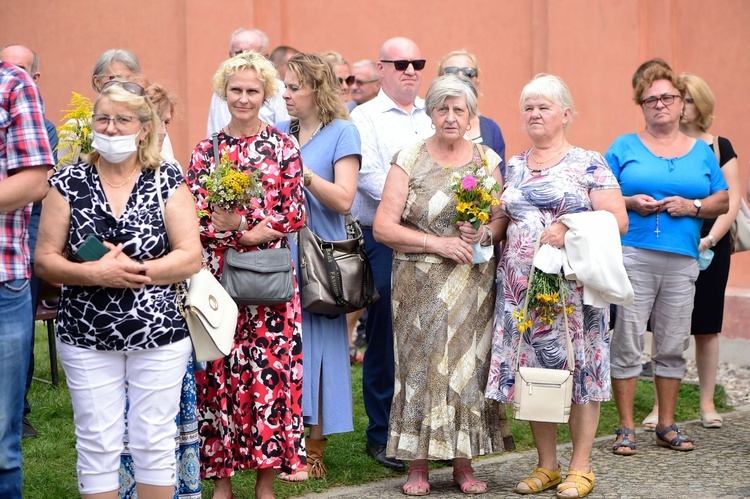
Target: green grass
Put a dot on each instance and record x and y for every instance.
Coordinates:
(49, 461)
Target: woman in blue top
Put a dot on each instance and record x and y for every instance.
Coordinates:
(331, 153)
(670, 182)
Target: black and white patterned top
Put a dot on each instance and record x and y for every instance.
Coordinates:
(109, 318)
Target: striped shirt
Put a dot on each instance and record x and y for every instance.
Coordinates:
(23, 144)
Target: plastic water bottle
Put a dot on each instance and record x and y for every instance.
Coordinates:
(704, 259)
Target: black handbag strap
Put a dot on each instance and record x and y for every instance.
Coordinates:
(333, 272)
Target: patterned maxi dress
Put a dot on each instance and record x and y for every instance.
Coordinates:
(442, 329)
(533, 202)
(249, 403)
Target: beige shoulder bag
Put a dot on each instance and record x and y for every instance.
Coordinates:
(543, 395)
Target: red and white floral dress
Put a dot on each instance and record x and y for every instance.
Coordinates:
(250, 403)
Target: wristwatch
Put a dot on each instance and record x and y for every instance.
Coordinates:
(697, 203)
(712, 239)
(307, 176)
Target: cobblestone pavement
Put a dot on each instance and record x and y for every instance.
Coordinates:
(716, 468)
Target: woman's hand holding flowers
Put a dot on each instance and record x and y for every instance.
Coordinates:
(224, 220)
(469, 234)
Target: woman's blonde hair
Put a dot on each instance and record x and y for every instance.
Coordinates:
(551, 88)
(656, 73)
(316, 73)
(247, 60)
(703, 99)
(148, 147)
(465, 53)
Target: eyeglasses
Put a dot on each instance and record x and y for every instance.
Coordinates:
(101, 121)
(666, 99)
(453, 70)
(402, 64)
(349, 80)
(361, 83)
(131, 87)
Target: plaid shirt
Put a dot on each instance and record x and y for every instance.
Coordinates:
(23, 143)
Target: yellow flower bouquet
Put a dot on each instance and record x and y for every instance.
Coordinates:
(547, 296)
(474, 194)
(75, 134)
(228, 187)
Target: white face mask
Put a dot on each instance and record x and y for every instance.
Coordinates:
(115, 149)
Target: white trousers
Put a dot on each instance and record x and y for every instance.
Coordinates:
(96, 380)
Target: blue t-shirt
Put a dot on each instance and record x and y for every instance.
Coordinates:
(695, 175)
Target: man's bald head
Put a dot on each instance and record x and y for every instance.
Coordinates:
(23, 57)
(248, 39)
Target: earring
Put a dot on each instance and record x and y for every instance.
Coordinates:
(142, 143)
(433, 126)
(468, 127)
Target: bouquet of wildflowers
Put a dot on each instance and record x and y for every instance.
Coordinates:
(228, 187)
(75, 134)
(473, 193)
(547, 296)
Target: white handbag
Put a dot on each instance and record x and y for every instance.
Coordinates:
(210, 312)
(211, 315)
(543, 395)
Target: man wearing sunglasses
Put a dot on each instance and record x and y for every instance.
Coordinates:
(392, 120)
(273, 109)
(24, 160)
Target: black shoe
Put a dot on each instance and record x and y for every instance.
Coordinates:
(28, 430)
(377, 451)
(361, 340)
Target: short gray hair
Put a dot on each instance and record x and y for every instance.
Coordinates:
(548, 87)
(450, 85)
(263, 39)
(367, 63)
(111, 56)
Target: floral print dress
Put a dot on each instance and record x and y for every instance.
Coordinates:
(249, 403)
(533, 202)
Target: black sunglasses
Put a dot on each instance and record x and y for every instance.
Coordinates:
(402, 64)
(349, 80)
(131, 87)
(453, 70)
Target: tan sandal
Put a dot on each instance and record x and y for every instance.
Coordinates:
(583, 483)
(547, 478)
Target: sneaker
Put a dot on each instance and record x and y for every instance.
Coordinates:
(28, 430)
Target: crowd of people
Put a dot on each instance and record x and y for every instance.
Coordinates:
(449, 331)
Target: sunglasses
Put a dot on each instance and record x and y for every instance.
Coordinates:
(129, 86)
(402, 64)
(453, 70)
(349, 80)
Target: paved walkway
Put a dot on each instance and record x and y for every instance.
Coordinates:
(717, 468)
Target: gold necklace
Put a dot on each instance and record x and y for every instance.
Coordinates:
(540, 163)
(99, 170)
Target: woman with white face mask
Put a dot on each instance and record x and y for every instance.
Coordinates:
(103, 236)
